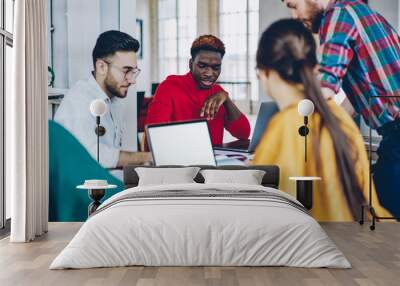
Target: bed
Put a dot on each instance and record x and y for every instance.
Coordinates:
(198, 224)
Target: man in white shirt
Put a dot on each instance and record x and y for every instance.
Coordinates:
(115, 69)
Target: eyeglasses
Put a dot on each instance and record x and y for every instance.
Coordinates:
(131, 73)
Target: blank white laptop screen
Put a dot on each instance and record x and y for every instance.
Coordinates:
(181, 143)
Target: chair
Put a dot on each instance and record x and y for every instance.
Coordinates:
(70, 165)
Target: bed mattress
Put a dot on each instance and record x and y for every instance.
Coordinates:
(201, 225)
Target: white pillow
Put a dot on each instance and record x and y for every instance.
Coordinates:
(248, 177)
(165, 176)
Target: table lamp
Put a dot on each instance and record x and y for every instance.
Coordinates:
(98, 108)
(305, 108)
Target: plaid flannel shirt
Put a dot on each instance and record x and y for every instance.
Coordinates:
(360, 52)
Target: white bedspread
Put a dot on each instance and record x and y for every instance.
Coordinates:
(227, 231)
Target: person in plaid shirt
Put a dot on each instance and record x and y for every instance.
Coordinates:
(360, 53)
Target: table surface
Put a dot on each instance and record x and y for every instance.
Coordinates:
(305, 178)
(96, 187)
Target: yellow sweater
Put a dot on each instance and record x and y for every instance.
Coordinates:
(282, 145)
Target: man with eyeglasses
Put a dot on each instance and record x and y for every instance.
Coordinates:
(196, 94)
(115, 70)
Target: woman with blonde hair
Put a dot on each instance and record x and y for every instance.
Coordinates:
(286, 66)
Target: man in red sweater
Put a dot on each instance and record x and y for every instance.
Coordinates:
(195, 95)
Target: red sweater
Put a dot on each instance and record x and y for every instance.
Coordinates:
(178, 98)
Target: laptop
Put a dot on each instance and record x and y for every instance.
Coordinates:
(266, 112)
(181, 143)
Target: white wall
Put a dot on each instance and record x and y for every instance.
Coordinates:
(127, 24)
(60, 51)
(109, 15)
(144, 79)
(270, 11)
(389, 9)
(83, 28)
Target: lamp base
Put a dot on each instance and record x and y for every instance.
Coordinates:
(303, 130)
(100, 130)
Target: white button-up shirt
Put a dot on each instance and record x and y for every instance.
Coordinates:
(74, 114)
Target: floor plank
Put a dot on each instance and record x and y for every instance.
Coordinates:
(375, 257)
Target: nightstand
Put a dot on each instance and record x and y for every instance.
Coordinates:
(304, 190)
(96, 191)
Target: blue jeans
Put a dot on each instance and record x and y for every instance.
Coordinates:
(386, 173)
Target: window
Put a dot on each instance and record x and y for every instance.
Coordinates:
(187, 31)
(6, 44)
(9, 15)
(176, 31)
(238, 29)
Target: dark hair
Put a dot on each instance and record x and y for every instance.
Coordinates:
(110, 42)
(288, 48)
(207, 43)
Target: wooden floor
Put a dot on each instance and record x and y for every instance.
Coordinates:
(375, 257)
